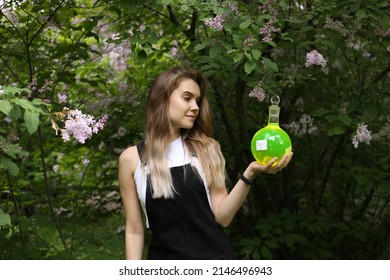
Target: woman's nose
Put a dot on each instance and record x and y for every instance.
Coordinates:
(194, 106)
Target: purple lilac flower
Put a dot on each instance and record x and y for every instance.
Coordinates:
(249, 42)
(337, 26)
(99, 125)
(124, 48)
(33, 84)
(174, 52)
(267, 30)
(216, 23)
(8, 119)
(45, 86)
(382, 32)
(80, 126)
(315, 58)
(12, 138)
(269, 7)
(383, 133)
(232, 6)
(258, 92)
(62, 98)
(304, 126)
(362, 135)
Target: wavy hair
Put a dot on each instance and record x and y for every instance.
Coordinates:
(198, 139)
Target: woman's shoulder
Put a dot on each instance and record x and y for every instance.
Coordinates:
(129, 158)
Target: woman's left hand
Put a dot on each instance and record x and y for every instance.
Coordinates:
(256, 168)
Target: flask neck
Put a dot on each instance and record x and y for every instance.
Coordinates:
(273, 114)
(273, 120)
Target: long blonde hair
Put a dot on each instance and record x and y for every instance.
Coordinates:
(198, 139)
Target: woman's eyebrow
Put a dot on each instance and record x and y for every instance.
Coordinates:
(190, 93)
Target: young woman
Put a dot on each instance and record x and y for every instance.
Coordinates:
(177, 176)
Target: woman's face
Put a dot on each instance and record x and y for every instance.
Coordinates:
(183, 107)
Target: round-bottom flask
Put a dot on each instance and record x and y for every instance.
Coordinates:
(271, 141)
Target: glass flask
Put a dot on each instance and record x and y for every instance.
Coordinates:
(271, 141)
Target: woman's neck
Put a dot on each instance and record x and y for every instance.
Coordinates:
(174, 135)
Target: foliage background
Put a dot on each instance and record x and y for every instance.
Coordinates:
(61, 201)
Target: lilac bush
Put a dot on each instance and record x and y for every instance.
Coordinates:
(328, 63)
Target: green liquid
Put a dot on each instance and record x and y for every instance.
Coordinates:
(269, 142)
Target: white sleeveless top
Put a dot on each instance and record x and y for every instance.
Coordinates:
(177, 155)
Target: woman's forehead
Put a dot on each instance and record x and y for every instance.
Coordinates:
(189, 86)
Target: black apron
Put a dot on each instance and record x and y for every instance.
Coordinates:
(184, 227)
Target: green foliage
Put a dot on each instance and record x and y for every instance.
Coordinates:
(332, 202)
(13, 104)
(306, 236)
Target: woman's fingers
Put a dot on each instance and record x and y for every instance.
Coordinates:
(269, 167)
(281, 164)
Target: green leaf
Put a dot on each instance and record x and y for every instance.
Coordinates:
(256, 54)
(331, 118)
(384, 23)
(5, 106)
(166, 2)
(320, 112)
(14, 90)
(345, 119)
(372, 112)
(37, 102)
(31, 120)
(184, 7)
(337, 130)
(209, 73)
(15, 113)
(199, 47)
(304, 44)
(25, 104)
(328, 43)
(271, 64)
(215, 51)
(272, 43)
(245, 24)
(271, 244)
(5, 219)
(7, 164)
(360, 14)
(265, 252)
(237, 40)
(238, 57)
(249, 66)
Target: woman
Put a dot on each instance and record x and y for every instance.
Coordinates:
(177, 176)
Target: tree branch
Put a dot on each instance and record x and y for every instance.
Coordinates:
(10, 69)
(44, 24)
(381, 75)
(189, 33)
(48, 191)
(327, 172)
